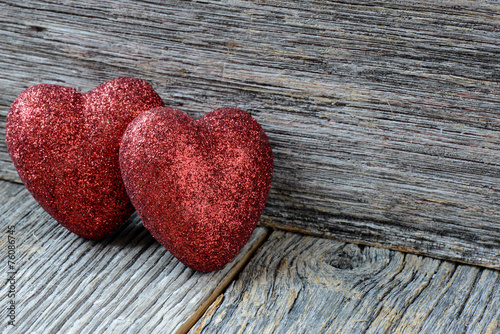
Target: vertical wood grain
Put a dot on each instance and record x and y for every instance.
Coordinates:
(126, 283)
(300, 284)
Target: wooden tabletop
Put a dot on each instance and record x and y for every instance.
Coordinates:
(281, 282)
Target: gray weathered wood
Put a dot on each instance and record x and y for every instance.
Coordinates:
(300, 284)
(7, 170)
(127, 283)
(383, 116)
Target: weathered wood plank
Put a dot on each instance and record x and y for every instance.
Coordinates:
(7, 170)
(383, 116)
(126, 283)
(300, 284)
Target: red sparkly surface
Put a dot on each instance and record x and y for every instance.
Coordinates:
(64, 145)
(198, 186)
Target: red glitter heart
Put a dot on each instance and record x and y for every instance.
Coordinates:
(64, 145)
(198, 186)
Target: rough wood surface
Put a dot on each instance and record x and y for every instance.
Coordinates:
(7, 170)
(127, 283)
(300, 284)
(383, 116)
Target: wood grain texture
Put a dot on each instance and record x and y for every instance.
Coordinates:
(127, 283)
(7, 170)
(301, 284)
(383, 116)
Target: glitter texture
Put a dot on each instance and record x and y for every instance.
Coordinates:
(64, 145)
(198, 186)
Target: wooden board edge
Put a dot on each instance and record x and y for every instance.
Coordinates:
(327, 235)
(217, 294)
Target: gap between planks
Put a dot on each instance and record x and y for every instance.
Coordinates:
(116, 276)
(303, 284)
(352, 240)
(218, 293)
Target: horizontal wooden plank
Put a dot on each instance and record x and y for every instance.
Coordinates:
(300, 284)
(7, 170)
(125, 283)
(383, 116)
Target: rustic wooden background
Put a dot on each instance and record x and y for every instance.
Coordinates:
(129, 283)
(384, 117)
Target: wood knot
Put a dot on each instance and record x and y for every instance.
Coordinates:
(350, 257)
